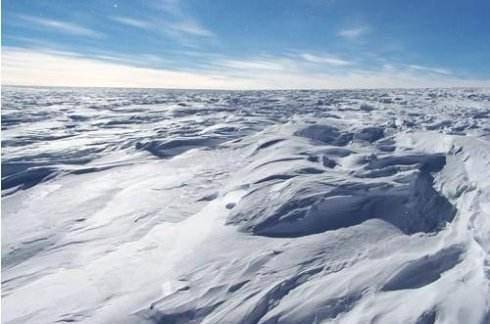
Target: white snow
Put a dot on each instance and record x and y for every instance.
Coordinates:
(152, 206)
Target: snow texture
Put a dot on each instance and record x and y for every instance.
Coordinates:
(177, 206)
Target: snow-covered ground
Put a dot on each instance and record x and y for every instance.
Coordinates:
(152, 206)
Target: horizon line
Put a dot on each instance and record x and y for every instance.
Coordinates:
(257, 89)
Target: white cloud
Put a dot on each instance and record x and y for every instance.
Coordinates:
(330, 60)
(29, 67)
(172, 19)
(139, 60)
(180, 29)
(172, 7)
(132, 22)
(44, 68)
(353, 33)
(288, 64)
(430, 69)
(61, 26)
(188, 27)
(260, 64)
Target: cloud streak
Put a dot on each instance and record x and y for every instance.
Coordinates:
(353, 33)
(43, 68)
(61, 26)
(179, 29)
(430, 69)
(132, 22)
(255, 64)
(175, 22)
(329, 60)
(190, 27)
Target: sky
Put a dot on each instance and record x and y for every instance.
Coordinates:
(253, 44)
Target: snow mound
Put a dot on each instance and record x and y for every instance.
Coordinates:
(321, 193)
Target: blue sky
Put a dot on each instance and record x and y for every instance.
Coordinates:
(246, 44)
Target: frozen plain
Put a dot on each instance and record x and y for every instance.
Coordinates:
(180, 206)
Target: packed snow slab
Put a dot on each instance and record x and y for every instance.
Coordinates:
(146, 206)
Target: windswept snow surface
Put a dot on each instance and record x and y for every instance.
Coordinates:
(152, 206)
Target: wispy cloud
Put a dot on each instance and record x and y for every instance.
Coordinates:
(61, 26)
(138, 60)
(176, 22)
(353, 33)
(172, 7)
(36, 67)
(132, 22)
(180, 29)
(39, 68)
(329, 60)
(288, 63)
(255, 64)
(430, 69)
(189, 27)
